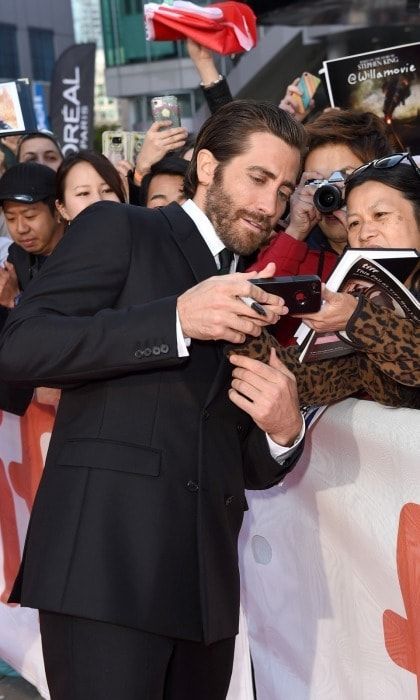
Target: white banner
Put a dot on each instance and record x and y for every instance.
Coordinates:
(318, 559)
(23, 445)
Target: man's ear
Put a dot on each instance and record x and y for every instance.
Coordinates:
(206, 165)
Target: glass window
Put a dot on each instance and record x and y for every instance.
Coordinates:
(41, 42)
(9, 61)
(125, 38)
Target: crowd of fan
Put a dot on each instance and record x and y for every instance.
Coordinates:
(41, 193)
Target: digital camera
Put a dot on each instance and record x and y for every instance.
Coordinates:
(328, 196)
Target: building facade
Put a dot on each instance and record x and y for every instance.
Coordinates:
(32, 36)
(88, 27)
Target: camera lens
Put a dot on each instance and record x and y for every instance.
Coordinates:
(327, 198)
(300, 298)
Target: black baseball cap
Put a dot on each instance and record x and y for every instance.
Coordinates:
(27, 183)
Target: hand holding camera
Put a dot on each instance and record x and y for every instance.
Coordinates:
(303, 214)
(315, 196)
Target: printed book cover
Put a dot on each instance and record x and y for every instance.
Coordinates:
(365, 276)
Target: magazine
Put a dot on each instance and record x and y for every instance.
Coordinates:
(385, 82)
(358, 274)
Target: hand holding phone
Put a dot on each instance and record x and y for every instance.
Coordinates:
(165, 108)
(302, 91)
(115, 146)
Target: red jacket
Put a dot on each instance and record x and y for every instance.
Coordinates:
(293, 257)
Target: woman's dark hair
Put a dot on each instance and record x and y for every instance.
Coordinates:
(102, 165)
(365, 134)
(225, 134)
(401, 177)
(37, 135)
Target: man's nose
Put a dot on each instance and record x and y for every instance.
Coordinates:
(268, 202)
(22, 225)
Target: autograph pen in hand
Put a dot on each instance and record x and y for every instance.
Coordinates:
(249, 301)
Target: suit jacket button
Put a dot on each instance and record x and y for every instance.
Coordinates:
(205, 415)
(192, 486)
(228, 500)
(156, 350)
(138, 353)
(164, 348)
(239, 428)
(147, 352)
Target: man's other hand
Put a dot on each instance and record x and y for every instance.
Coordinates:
(268, 393)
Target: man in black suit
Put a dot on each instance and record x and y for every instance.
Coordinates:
(27, 195)
(131, 553)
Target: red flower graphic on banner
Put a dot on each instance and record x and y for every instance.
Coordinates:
(402, 636)
(22, 478)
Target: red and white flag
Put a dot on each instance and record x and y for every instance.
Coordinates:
(227, 27)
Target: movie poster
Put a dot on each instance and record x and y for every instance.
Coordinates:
(16, 109)
(385, 82)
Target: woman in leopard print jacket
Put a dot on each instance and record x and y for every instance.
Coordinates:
(383, 211)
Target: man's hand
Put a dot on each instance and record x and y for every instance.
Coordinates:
(157, 143)
(9, 286)
(334, 314)
(303, 214)
(269, 395)
(212, 309)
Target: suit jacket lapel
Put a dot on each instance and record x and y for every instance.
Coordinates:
(190, 242)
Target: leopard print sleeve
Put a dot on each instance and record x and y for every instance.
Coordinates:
(390, 342)
(325, 382)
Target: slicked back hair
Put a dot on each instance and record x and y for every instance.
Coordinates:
(226, 133)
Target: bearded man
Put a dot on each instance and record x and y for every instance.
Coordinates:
(131, 555)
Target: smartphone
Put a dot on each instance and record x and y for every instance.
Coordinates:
(308, 85)
(301, 293)
(166, 107)
(135, 142)
(115, 146)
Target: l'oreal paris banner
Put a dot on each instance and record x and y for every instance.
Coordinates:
(71, 98)
(385, 82)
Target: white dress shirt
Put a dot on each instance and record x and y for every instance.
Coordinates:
(215, 246)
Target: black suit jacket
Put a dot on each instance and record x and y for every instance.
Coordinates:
(13, 398)
(138, 512)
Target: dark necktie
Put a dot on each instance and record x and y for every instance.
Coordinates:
(225, 259)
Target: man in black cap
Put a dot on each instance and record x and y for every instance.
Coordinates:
(27, 195)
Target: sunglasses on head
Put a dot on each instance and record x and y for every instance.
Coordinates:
(388, 162)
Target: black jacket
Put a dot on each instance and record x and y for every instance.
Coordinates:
(13, 398)
(141, 501)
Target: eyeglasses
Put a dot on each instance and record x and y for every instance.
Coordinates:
(387, 162)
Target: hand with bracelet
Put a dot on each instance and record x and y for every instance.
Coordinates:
(204, 63)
